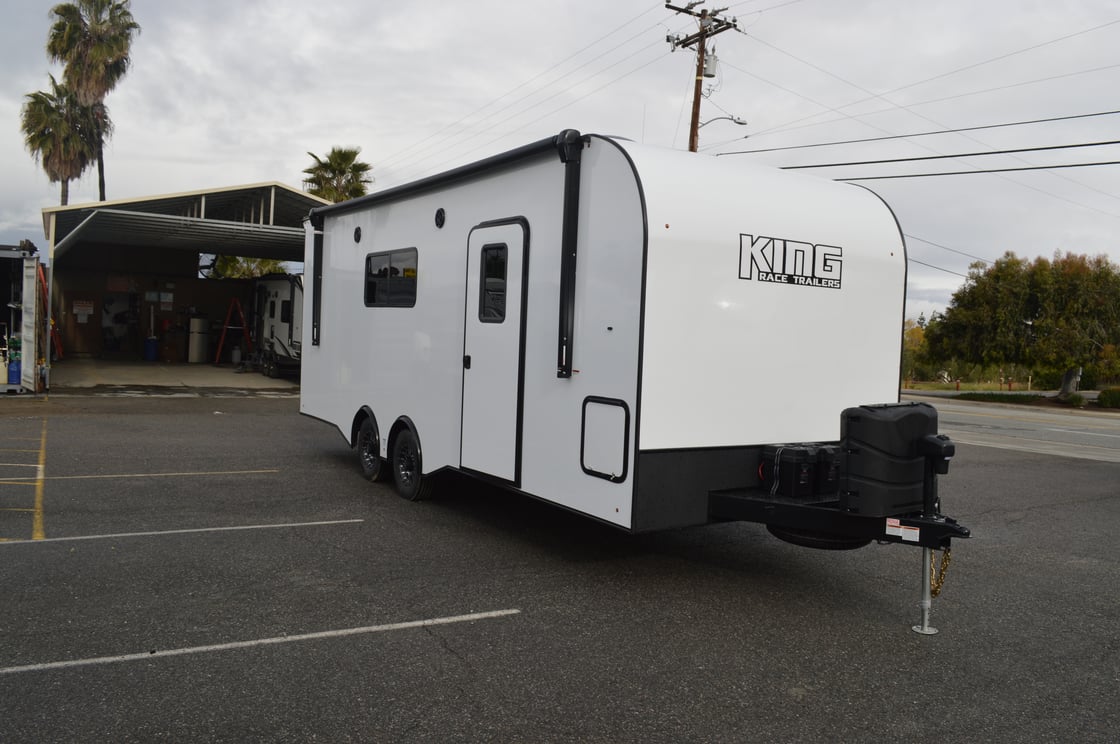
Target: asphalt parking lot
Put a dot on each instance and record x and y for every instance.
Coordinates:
(215, 568)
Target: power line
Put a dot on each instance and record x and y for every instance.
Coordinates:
(953, 156)
(401, 153)
(945, 247)
(921, 134)
(857, 119)
(954, 72)
(986, 170)
(931, 266)
(760, 11)
(564, 105)
(908, 109)
(464, 136)
(784, 128)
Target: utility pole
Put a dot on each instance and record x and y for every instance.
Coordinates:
(710, 24)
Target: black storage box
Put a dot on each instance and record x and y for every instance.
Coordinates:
(882, 468)
(788, 470)
(826, 479)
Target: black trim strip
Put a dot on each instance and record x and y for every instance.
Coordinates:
(331, 424)
(316, 283)
(541, 147)
(570, 145)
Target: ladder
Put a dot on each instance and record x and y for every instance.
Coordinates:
(234, 304)
(55, 338)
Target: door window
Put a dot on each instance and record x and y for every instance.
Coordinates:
(492, 297)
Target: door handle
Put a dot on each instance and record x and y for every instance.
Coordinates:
(466, 361)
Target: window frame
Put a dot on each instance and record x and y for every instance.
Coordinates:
(401, 254)
(487, 249)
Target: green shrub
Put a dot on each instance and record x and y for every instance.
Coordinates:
(1047, 379)
(1109, 398)
(1077, 400)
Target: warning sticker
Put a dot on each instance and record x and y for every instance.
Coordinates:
(905, 531)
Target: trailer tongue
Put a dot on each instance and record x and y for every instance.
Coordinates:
(879, 482)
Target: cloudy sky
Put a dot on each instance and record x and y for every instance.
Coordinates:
(226, 92)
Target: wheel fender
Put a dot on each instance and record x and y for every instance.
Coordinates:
(363, 413)
(401, 424)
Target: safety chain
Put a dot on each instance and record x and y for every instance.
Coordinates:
(937, 578)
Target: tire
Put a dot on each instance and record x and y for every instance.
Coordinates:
(368, 446)
(408, 468)
(818, 540)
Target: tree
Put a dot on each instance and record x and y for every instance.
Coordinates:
(984, 321)
(1054, 315)
(56, 129)
(913, 348)
(93, 39)
(339, 176)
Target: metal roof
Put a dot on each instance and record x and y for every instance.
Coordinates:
(261, 220)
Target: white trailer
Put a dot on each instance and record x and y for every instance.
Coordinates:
(279, 323)
(618, 330)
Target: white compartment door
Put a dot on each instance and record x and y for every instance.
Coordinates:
(497, 264)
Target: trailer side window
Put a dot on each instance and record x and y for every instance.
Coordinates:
(391, 279)
(492, 289)
(285, 311)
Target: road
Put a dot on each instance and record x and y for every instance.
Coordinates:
(1080, 434)
(214, 569)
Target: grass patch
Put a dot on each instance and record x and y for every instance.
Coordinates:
(961, 386)
(1026, 400)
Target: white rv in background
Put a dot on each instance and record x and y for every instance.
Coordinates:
(279, 323)
(23, 320)
(631, 333)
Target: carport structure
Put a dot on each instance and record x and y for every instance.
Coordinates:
(125, 274)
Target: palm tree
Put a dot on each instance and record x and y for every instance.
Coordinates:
(93, 38)
(56, 129)
(339, 176)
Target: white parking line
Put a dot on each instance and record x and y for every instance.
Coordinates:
(259, 642)
(118, 535)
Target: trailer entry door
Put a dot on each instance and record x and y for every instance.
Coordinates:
(497, 262)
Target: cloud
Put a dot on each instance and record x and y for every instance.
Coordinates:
(223, 93)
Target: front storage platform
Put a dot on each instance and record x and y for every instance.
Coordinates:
(877, 483)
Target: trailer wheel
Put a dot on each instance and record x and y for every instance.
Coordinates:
(407, 468)
(367, 447)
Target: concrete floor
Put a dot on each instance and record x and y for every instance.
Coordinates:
(92, 373)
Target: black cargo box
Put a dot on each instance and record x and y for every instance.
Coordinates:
(788, 470)
(882, 468)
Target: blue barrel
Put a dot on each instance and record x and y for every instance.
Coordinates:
(151, 349)
(14, 372)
